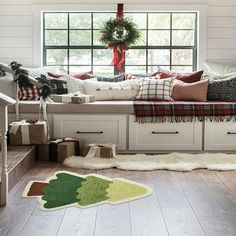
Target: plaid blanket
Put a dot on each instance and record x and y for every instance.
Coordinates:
(179, 111)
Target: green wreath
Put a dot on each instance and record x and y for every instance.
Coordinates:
(119, 31)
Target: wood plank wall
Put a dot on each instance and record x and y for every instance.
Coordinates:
(16, 27)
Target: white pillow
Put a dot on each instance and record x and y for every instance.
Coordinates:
(125, 90)
(38, 71)
(214, 67)
(74, 85)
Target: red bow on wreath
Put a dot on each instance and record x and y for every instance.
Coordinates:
(118, 48)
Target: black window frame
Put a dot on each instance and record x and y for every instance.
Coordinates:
(146, 47)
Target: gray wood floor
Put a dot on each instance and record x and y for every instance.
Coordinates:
(194, 203)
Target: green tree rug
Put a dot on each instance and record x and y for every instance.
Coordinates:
(70, 189)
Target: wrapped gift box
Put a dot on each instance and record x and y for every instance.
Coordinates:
(73, 98)
(25, 133)
(60, 149)
(100, 150)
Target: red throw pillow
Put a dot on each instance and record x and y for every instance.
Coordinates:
(165, 75)
(83, 75)
(190, 77)
(29, 93)
(55, 75)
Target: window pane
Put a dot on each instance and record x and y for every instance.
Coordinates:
(159, 57)
(182, 37)
(139, 19)
(153, 69)
(159, 37)
(80, 57)
(142, 40)
(80, 21)
(102, 56)
(182, 68)
(103, 70)
(80, 37)
(96, 36)
(183, 21)
(79, 69)
(135, 57)
(182, 57)
(159, 21)
(135, 69)
(56, 37)
(56, 21)
(100, 18)
(56, 57)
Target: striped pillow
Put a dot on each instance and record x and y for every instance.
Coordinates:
(156, 89)
(28, 93)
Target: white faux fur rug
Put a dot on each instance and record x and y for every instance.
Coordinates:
(172, 161)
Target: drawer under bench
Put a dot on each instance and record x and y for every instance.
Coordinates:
(165, 136)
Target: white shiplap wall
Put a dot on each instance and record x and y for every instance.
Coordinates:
(16, 31)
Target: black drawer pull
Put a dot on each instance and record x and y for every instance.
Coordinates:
(89, 132)
(231, 133)
(156, 132)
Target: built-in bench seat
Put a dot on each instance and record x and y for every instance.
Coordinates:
(114, 122)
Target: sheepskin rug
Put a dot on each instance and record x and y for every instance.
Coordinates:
(172, 161)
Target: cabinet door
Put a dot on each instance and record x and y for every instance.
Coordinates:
(93, 128)
(220, 136)
(165, 136)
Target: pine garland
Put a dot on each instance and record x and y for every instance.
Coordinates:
(22, 78)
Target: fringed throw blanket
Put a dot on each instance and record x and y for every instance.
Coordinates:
(179, 111)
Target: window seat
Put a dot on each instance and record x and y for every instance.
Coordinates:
(98, 107)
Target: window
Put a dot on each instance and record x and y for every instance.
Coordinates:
(168, 39)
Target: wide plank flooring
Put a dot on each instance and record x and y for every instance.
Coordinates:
(193, 203)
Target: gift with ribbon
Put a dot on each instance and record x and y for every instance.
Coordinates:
(60, 149)
(73, 98)
(28, 132)
(104, 150)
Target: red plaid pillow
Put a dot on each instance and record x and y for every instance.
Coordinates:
(29, 93)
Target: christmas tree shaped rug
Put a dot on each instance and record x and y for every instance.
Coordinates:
(70, 189)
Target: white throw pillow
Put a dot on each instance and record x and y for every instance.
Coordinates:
(125, 90)
(156, 89)
(214, 67)
(38, 71)
(74, 85)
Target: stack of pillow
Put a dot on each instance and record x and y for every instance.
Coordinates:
(217, 83)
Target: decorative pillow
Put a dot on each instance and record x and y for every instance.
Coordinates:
(74, 85)
(216, 76)
(156, 89)
(55, 75)
(29, 93)
(214, 67)
(116, 78)
(222, 90)
(185, 77)
(190, 91)
(38, 71)
(59, 86)
(125, 90)
(82, 75)
(130, 77)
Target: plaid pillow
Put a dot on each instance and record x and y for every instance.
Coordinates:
(29, 93)
(59, 86)
(116, 78)
(156, 89)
